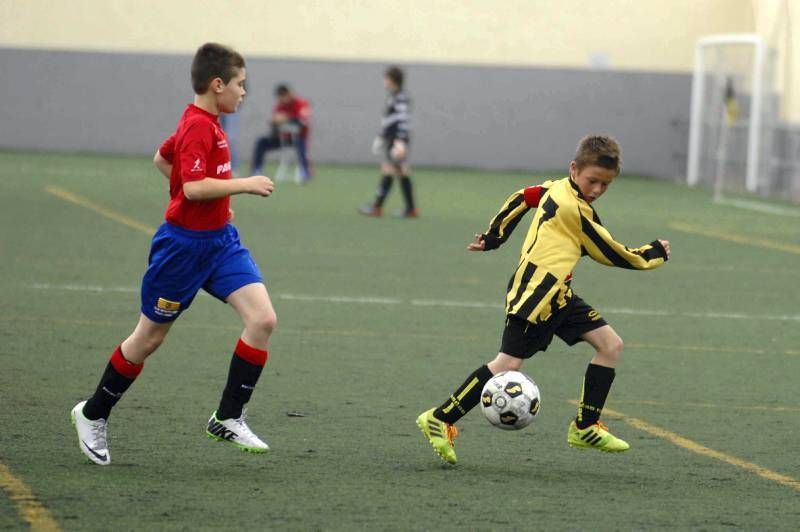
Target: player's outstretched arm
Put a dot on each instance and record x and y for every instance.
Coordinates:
(505, 221)
(602, 247)
(211, 188)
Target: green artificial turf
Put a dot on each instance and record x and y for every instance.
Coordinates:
(376, 324)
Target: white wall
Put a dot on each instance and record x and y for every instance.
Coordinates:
(778, 22)
(653, 35)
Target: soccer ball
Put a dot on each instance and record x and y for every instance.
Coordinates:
(510, 400)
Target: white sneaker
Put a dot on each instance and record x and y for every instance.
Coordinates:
(91, 436)
(235, 432)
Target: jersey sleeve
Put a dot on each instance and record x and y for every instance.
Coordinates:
(302, 114)
(403, 115)
(601, 246)
(533, 195)
(167, 149)
(198, 142)
(512, 211)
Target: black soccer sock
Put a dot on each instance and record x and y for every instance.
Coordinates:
(465, 398)
(383, 190)
(408, 192)
(245, 369)
(596, 385)
(116, 379)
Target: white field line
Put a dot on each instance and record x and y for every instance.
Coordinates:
(443, 303)
(760, 207)
(343, 299)
(83, 288)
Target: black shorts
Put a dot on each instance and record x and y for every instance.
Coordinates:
(523, 339)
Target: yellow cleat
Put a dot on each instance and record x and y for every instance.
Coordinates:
(441, 435)
(595, 436)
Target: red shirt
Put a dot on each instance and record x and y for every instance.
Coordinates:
(198, 149)
(298, 110)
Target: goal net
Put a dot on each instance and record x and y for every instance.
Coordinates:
(737, 144)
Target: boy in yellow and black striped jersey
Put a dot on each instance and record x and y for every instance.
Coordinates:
(540, 302)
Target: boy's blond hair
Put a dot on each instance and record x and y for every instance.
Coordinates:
(599, 150)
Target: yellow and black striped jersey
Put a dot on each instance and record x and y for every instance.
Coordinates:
(564, 229)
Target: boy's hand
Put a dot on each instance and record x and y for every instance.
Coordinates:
(260, 185)
(231, 214)
(479, 244)
(665, 243)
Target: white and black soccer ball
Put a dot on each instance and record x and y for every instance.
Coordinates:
(510, 400)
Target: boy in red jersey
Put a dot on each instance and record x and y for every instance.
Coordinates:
(196, 248)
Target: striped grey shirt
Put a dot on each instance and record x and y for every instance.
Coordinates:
(395, 122)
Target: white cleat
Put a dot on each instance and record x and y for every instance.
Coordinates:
(236, 432)
(91, 436)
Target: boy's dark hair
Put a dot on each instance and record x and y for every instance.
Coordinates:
(211, 61)
(395, 74)
(599, 150)
(282, 89)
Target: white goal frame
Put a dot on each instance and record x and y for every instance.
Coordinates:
(698, 87)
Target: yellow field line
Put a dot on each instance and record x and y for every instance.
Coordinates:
(693, 446)
(737, 238)
(28, 507)
(99, 209)
(713, 406)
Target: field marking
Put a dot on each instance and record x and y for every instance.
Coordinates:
(28, 506)
(738, 239)
(99, 209)
(711, 406)
(759, 206)
(711, 349)
(697, 448)
(148, 230)
(379, 300)
(284, 330)
(372, 334)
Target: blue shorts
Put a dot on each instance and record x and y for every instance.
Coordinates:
(183, 261)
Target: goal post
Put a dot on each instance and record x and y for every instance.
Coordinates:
(731, 152)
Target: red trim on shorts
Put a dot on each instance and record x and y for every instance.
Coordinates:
(125, 367)
(251, 354)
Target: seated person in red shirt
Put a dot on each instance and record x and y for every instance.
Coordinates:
(290, 110)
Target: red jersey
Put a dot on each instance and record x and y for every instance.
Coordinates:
(198, 149)
(299, 111)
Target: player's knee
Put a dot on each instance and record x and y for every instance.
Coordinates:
(504, 363)
(265, 322)
(513, 364)
(612, 350)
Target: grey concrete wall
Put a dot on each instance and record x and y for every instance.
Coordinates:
(467, 116)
